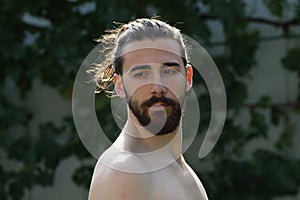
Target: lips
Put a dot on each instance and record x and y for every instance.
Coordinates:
(160, 104)
(159, 101)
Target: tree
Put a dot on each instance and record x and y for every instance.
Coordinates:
(49, 39)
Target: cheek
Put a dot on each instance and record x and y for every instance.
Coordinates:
(136, 93)
(176, 86)
(130, 85)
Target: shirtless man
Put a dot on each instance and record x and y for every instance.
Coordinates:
(148, 67)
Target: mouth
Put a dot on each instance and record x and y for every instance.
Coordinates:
(158, 103)
(159, 106)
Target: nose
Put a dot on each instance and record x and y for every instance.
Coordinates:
(158, 90)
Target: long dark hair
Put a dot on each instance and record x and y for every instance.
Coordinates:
(114, 41)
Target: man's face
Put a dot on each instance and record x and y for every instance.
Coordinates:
(154, 84)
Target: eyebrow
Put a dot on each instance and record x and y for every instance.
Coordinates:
(170, 64)
(138, 67)
(165, 64)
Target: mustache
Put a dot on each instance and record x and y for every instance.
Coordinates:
(155, 99)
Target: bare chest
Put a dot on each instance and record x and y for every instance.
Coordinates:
(175, 183)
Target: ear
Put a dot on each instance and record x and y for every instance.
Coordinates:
(189, 77)
(119, 88)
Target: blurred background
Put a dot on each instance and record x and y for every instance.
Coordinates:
(255, 44)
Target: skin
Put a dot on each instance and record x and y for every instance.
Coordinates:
(117, 174)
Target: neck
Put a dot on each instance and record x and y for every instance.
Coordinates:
(136, 139)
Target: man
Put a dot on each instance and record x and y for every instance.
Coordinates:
(146, 61)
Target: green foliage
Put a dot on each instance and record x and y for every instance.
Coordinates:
(275, 6)
(60, 34)
(291, 62)
(39, 157)
(82, 175)
(230, 13)
(254, 179)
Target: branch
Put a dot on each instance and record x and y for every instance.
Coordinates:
(288, 104)
(277, 23)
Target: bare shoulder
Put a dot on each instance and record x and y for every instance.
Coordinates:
(115, 178)
(198, 182)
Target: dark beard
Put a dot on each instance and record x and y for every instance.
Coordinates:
(158, 126)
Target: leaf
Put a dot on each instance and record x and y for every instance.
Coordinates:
(231, 13)
(22, 150)
(82, 175)
(285, 141)
(265, 101)
(275, 6)
(291, 60)
(276, 114)
(258, 125)
(16, 190)
(242, 44)
(236, 95)
(297, 11)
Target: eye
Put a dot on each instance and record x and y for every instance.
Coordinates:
(140, 74)
(169, 71)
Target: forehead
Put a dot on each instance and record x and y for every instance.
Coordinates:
(151, 51)
(165, 44)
